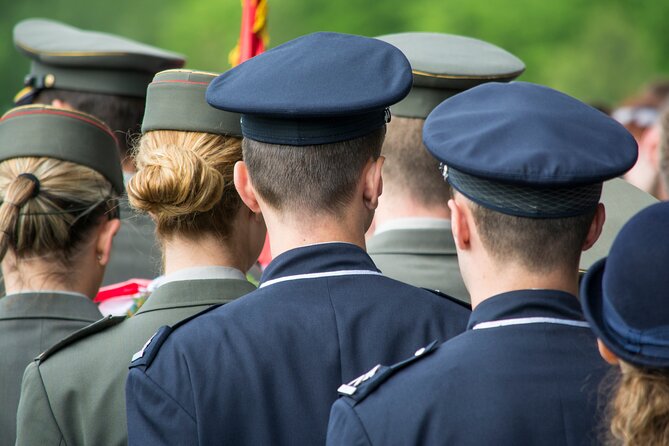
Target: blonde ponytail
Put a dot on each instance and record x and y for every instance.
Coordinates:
(20, 190)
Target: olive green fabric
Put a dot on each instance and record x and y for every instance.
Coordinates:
(44, 131)
(420, 257)
(74, 59)
(445, 64)
(76, 396)
(135, 251)
(622, 201)
(29, 324)
(175, 100)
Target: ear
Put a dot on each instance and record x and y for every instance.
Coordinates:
(607, 354)
(595, 227)
(460, 224)
(106, 233)
(373, 183)
(244, 187)
(61, 104)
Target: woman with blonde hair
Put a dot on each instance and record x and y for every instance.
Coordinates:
(624, 298)
(185, 162)
(60, 177)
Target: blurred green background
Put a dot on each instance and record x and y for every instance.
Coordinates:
(596, 50)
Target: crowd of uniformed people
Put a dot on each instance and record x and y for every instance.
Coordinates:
(444, 266)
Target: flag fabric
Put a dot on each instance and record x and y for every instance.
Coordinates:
(253, 37)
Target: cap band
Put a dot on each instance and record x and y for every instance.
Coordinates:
(526, 201)
(312, 131)
(421, 101)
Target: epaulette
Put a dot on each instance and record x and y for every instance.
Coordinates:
(95, 327)
(451, 298)
(365, 384)
(144, 357)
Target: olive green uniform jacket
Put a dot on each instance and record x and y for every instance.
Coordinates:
(75, 395)
(29, 324)
(423, 257)
(135, 251)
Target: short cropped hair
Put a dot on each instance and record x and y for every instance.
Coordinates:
(409, 167)
(538, 244)
(315, 179)
(123, 114)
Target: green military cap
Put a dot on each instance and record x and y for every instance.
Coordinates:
(445, 64)
(68, 135)
(622, 201)
(175, 100)
(69, 58)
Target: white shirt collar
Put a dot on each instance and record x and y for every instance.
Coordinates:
(198, 273)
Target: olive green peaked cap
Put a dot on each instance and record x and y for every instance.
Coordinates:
(175, 100)
(74, 59)
(44, 131)
(445, 64)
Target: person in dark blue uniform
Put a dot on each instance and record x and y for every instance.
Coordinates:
(264, 369)
(526, 164)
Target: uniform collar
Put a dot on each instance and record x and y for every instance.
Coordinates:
(527, 304)
(188, 293)
(414, 223)
(51, 304)
(413, 241)
(198, 273)
(319, 258)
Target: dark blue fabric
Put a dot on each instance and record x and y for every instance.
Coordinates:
(534, 384)
(336, 76)
(625, 295)
(527, 134)
(265, 369)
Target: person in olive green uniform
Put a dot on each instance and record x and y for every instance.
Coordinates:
(60, 179)
(106, 76)
(412, 240)
(75, 391)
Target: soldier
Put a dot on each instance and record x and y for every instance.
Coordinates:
(526, 164)
(60, 179)
(106, 76)
(261, 369)
(75, 391)
(412, 240)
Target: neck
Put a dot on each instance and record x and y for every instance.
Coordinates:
(394, 206)
(39, 274)
(206, 250)
(502, 278)
(289, 231)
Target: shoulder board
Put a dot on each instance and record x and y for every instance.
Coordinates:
(144, 357)
(451, 298)
(95, 327)
(365, 384)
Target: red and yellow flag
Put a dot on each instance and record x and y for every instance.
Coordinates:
(253, 37)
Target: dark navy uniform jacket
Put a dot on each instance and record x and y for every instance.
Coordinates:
(265, 369)
(526, 372)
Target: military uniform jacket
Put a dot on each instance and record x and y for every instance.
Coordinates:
(422, 257)
(526, 372)
(135, 251)
(265, 368)
(29, 324)
(74, 395)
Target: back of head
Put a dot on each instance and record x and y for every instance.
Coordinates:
(186, 158)
(310, 180)
(185, 181)
(57, 180)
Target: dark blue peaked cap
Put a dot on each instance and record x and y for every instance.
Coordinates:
(624, 296)
(316, 89)
(527, 150)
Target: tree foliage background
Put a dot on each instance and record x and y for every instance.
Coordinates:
(597, 50)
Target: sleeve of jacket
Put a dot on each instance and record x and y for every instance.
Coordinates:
(345, 428)
(35, 423)
(155, 417)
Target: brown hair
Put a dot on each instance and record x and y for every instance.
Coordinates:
(410, 167)
(123, 114)
(69, 202)
(313, 179)
(538, 244)
(639, 410)
(185, 181)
